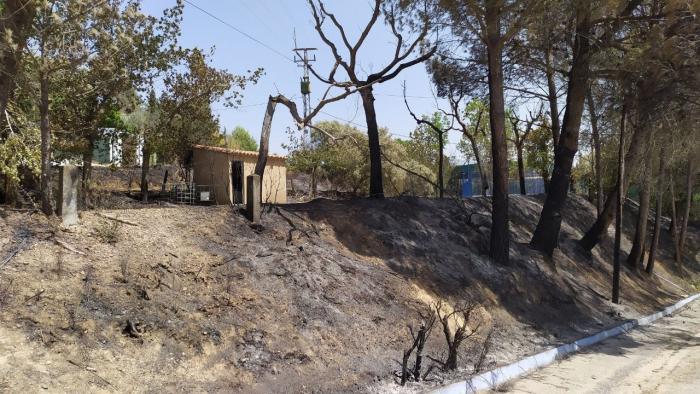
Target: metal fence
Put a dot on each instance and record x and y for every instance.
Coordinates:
(190, 194)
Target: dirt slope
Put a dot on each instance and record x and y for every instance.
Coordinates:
(193, 299)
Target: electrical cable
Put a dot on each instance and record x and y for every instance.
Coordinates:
(239, 31)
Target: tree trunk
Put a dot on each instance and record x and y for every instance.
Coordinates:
(638, 140)
(265, 139)
(479, 164)
(618, 211)
(313, 182)
(657, 215)
(688, 202)
(86, 175)
(45, 181)
(636, 256)
(376, 188)
(674, 220)
(545, 181)
(546, 235)
(598, 164)
(441, 183)
(145, 167)
(499, 243)
(552, 95)
(165, 182)
(16, 19)
(521, 169)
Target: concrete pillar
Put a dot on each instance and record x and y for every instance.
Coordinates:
(67, 203)
(252, 198)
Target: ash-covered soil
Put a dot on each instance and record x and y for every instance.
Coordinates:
(317, 299)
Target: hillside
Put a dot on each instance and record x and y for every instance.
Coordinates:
(317, 299)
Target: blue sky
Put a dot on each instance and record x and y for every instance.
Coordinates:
(274, 23)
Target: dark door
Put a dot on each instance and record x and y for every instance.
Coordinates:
(237, 181)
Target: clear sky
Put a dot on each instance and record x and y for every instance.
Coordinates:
(274, 23)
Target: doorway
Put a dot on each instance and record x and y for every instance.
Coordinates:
(237, 181)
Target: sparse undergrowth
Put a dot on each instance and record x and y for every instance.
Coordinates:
(194, 299)
(108, 231)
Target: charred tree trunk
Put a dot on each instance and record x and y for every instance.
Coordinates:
(618, 211)
(86, 175)
(314, 183)
(637, 141)
(521, 169)
(546, 235)
(45, 181)
(441, 155)
(265, 139)
(376, 188)
(657, 216)
(145, 167)
(552, 95)
(674, 220)
(499, 243)
(598, 166)
(165, 182)
(688, 200)
(636, 256)
(480, 165)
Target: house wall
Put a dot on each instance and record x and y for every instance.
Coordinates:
(214, 169)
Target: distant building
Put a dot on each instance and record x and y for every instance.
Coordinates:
(111, 149)
(225, 171)
(108, 150)
(467, 179)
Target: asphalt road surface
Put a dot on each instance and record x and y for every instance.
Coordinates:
(660, 358)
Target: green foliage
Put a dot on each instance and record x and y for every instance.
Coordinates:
(476, 118)
(344, 160)
(539, 154)
(240, 139)
(19, 146)
(185, 115)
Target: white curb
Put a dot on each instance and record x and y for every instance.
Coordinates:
(498, 376)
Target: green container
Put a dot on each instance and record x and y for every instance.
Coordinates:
(305, 86)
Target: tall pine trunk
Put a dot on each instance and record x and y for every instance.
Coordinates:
(598, 163)
(521, 169)
(618, 210)
(660, 187)
(441, 154)
(674, 220)
(552, 94)
(688, 201)
(638, 140)
(636, 256)
(546, 235)
(499, 243)
(376, 188)
(45, 127)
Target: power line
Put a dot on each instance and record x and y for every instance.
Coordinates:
(239, 31)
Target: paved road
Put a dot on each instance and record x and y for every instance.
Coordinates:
(661, 358)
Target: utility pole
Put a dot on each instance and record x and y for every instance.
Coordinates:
(303, 60)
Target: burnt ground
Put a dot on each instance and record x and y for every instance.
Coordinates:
(317, 299)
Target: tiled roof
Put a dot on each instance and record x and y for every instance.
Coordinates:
(236, 151)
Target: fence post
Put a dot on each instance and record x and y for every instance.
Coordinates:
(68, 194)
